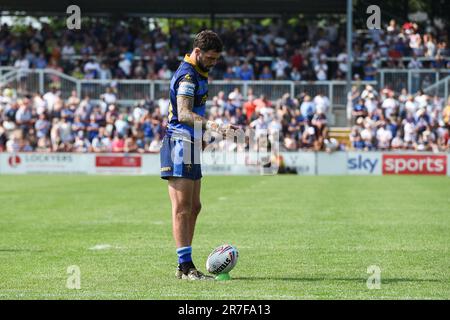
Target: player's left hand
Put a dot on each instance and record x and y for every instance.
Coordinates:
(228, 127)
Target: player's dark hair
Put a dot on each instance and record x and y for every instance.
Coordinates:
(208, 40)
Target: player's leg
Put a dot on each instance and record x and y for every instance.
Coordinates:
(196, 207)
(181, 192)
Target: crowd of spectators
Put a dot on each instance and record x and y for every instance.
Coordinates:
(48, 123)
(381, 121)
(386, 120)
(130, 49)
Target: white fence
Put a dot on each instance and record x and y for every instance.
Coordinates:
(130, 91)
(440, 89)
(305, 163)
(410, 79)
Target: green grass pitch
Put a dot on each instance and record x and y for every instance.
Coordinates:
(298, 237)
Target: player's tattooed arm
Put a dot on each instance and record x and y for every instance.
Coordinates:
(185, 105)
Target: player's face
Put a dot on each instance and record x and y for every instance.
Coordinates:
(207, 59)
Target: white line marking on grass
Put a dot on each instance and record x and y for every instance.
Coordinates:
(103, 247)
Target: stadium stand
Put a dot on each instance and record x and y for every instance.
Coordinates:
(389, 115)
(382, 120)
(280, 51)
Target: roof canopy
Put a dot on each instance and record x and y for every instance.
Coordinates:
(176, 7)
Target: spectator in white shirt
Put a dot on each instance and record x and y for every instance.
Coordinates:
(163, 105)
(67, 50)
(321, 70)
(39, 104)
(236, 97)
(109, 96)
(51, 97)
(322, 103)
(91, 69)
(22, 63)
(384, 137)
(155, 145)
(121, 125)
(125, 65)
(409, 132)
(279, 66)
(342, 62)
(389, 105)
(410, 105)
(260, 126)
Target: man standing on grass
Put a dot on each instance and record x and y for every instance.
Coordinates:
(181, 147)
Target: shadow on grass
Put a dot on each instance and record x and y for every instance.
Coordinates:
(306, 279)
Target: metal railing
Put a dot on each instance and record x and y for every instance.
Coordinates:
(29, 81)
(268, 59)
(130, 91)
(440, 89)
(410, 79)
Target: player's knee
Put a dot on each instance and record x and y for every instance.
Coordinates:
(184, 208)
(196, 208)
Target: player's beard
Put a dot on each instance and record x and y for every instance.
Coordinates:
(201, 65)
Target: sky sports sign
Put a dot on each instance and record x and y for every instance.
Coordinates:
(420, 164)
(376, 163)
(367, 163)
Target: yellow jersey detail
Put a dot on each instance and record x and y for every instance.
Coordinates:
(187, 58)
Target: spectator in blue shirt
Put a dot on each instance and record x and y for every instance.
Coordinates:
(308, 108)
(246, 72)
(92, 128)
(369, 71)
(266, 74)
(439, 62)
(149, 134)
(42, 126)
(359, 110)
(40, 62)
(229, 74)
(78, 125)
(358, 143)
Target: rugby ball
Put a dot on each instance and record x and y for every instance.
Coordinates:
(222, 259)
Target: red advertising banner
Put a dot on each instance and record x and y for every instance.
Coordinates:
(118, 161)
(414, 164)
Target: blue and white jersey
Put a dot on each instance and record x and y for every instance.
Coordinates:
(189, 81)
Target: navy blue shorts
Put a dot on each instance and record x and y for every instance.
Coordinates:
(172, 153)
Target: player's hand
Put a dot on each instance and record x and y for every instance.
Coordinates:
(211, 125)
(227, 128)
(223, 129)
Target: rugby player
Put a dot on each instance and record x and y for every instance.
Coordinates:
(182, 145)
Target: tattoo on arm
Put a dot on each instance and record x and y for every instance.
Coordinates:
(185, 105)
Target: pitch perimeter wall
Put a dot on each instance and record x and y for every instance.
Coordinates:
(305, 163)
